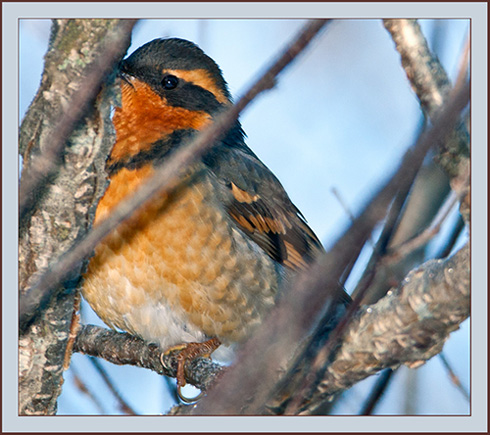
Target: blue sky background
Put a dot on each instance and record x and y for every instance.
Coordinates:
(340, 117)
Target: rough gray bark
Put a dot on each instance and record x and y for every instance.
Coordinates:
(408, 326)
(431, 84)
(65, 185)
(122, 348)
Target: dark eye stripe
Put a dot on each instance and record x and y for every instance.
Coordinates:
(190, 96)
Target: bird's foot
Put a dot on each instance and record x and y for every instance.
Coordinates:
(188, 352)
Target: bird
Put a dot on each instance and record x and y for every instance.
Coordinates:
(199, 268)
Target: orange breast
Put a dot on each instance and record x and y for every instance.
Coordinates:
(178, 272)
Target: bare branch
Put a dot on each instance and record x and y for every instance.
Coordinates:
(123, 405)
(464, 64)
(426, 75)
(454, 378)
(379, 389)
(404, 249)
(80, 384)
(452, 239)
(432, 86)
(123, 348)
(165, 179)
(408, 326)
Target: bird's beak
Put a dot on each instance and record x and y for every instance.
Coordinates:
(124, 75)
(126, 78)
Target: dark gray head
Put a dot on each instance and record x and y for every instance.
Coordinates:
(174, 68)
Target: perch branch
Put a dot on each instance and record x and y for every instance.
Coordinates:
(125, 349)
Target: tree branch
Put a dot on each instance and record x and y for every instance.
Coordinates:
(431, 84)
(424, 71)
(408, 326)
(125, 349)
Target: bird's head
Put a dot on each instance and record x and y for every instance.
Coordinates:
(167, 85)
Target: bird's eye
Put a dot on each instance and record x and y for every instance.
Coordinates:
(170, 82)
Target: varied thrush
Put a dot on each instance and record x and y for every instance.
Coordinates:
(207, 263)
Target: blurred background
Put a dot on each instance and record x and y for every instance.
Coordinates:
(340, 118)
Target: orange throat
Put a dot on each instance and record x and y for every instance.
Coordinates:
(145, 117)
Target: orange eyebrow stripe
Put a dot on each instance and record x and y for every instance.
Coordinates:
(199, 77)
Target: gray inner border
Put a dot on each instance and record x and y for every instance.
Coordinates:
(477, 12)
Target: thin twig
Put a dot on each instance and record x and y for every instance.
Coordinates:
(123, 405)
(463, 63)
(165, 179)
(397, 252)
(377, 392)
(82, 386)
(344, 205)
(37, 173)
(387, 233)
(453, 377)
(348, 269)
(74, 327)
(453, 237)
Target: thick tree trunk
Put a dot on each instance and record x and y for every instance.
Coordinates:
(64, 140)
